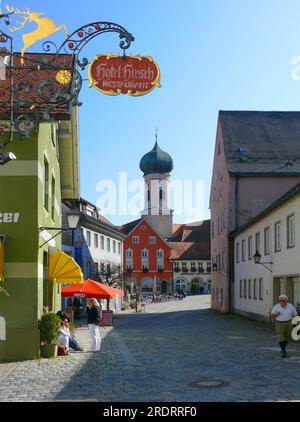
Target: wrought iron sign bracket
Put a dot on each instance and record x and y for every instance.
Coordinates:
(39, 86)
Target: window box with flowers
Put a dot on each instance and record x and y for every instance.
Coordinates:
(129, 270)
(177, 269)
(200, 270)
(184, 270)
(160, 270)
(145, 270)
(193, 269)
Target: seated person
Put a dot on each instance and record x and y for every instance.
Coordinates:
(65, 338)
(62, 315)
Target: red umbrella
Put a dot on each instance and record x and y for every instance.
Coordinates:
(91, 288)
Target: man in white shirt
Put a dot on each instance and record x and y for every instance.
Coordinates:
(283, 314)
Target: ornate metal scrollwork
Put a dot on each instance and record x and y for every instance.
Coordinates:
(27, 97)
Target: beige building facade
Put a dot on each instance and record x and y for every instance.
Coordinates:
(275, 235)
(255, 163)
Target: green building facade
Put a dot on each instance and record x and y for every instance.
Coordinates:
(30, 198)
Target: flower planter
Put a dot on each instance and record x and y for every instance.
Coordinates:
(49, 350)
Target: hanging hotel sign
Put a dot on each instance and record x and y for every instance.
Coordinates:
(133, 75)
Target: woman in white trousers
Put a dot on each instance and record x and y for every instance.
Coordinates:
(93, 313)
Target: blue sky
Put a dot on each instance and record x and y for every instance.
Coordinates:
(213, 54)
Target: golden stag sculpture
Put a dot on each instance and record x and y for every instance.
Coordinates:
(46, 27)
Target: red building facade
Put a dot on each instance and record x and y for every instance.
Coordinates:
(147, 265)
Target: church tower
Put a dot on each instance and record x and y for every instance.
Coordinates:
(157, 166)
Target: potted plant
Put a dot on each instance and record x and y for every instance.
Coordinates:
(193, 269)
(49, 326)
(145, 270)
(177, 269)
(184, 270)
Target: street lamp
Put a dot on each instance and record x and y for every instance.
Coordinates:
(257, 260)
(73, 218)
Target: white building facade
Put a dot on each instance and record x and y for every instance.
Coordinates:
(192, 276)
(96, 245)
(275, 235)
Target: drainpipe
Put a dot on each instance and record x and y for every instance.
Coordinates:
(236, 201)
(231, 272)
(231, 246)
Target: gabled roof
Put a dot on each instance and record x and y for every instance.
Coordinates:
(127, 228)
(176, 229)
(99, 221)
(261, 142)
(190, 250)
(291, 194)
(136, 223)
(193, 232)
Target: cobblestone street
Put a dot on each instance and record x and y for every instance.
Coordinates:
(175, 351)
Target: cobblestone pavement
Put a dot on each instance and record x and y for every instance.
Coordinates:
(175, 351)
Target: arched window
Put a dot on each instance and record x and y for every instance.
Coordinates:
(128, 253)
(180, 285)
(145, 253)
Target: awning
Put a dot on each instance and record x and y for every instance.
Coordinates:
(91, 288)
(1, 259)
(63, 269)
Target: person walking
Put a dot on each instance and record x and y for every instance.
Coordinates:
(283, 313)
(93, 313)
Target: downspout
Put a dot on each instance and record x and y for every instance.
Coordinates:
(231, 245)
(236, 201)
(231, 271)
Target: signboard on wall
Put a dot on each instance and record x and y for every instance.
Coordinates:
(133, 75)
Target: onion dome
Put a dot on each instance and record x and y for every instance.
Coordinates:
(156, 161)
